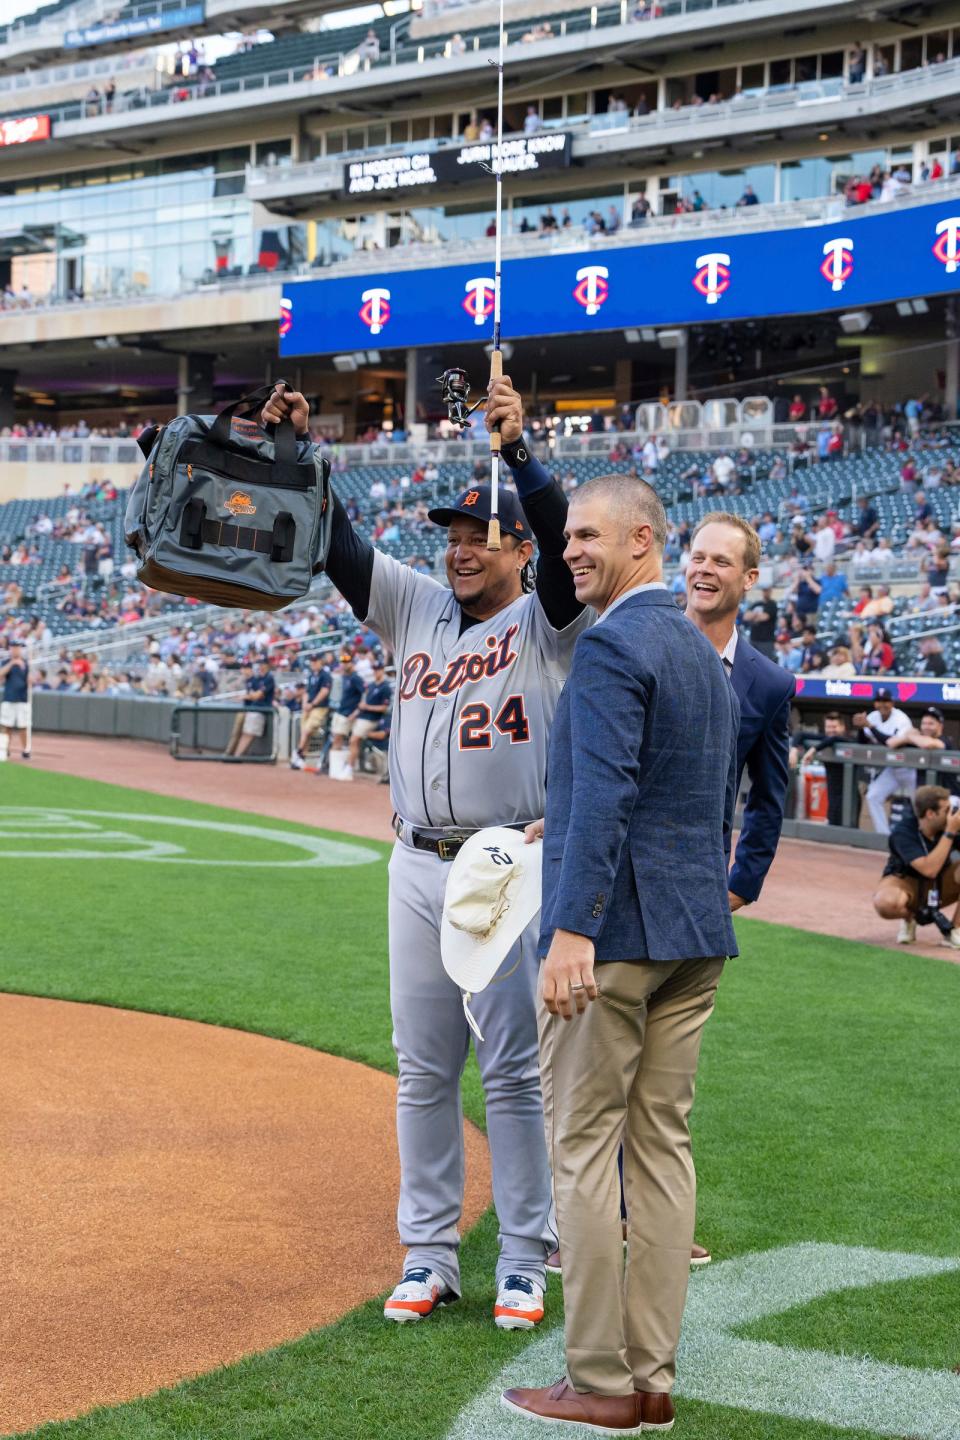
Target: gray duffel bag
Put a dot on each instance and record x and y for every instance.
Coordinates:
(226, 513)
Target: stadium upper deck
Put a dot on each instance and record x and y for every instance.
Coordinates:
(146, 225)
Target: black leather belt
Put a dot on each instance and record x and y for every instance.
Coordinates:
(447, 847)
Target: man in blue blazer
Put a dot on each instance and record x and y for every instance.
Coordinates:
(724, 566)
(635, 930)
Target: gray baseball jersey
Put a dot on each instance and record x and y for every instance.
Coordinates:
(471, 712)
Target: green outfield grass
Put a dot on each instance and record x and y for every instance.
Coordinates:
(826, 1108)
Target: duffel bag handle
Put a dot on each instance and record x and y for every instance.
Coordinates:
(284, 438)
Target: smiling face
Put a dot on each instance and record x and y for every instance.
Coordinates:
(483, 581)
(718, 577)
(606, 554)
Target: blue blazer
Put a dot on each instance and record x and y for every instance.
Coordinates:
(765, 691)
(641, 783)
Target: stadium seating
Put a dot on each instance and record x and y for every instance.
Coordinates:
(831, 484)
(36, 17)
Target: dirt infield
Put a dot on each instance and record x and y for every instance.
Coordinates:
(169, 1202)
(821, 888)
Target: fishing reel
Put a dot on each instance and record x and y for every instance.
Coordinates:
(455, 390)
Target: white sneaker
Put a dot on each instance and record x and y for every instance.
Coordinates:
(907, 932)
(953, 939)
(519, 1303)
(297, 761)
(417, 1296)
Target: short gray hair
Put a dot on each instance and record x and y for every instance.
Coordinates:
(631, 501)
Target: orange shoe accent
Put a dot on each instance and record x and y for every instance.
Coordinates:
(422, 1307)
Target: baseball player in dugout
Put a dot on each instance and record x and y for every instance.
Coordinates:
(480, 667)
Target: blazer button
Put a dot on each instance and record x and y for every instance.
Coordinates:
(597, 911)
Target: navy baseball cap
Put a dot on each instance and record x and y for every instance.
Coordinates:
(475, 503)
(884, 694)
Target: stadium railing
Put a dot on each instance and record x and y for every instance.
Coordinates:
(776, 101)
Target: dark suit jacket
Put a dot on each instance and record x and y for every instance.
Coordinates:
(641, 782)
(765, 691)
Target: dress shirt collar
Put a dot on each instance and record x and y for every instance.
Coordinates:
(629, 594)
(729, 652)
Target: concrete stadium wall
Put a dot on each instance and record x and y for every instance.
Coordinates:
(484, 14)
(29, 481)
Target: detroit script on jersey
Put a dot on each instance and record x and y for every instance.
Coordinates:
(472, 712)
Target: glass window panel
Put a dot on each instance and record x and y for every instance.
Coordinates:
(721, 189)
(781, 72)
(420, 127)
(937, 46)
(831, 64)
(911, 52)
(753, 77)
(334, 142)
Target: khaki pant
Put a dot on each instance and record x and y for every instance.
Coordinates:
(624, 1070)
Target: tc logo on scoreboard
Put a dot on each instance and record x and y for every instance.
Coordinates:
(478, 300)
(837, 266)
(592, 287)
(286, 317)
(713, 276)
(946, 247)
(375, 310)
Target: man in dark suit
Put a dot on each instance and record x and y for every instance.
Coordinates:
(635, 930)
(724, 566)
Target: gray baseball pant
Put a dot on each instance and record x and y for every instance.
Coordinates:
(432, 1041)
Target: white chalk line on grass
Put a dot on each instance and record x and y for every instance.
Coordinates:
(716, 1365)
(75, 835)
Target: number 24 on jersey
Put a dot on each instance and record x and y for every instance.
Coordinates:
(476, 724)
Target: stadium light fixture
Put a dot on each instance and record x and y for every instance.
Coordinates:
(632, 337)
(648, 335)
(670, 339)
(920, 307)
(854, 322)
(904, 307)
(345, 362)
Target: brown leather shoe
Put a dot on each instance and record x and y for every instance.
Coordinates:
(606, 1414)
(553, 1262)
(656, 1410)
(699, 1256)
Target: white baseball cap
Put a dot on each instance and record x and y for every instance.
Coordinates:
(493, 892)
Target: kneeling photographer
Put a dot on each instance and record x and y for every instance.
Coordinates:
(920, 876)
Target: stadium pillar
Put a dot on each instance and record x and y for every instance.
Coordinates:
(951, 377)
(8, 380)
(680, 368)
(410, 392)
(194, 384)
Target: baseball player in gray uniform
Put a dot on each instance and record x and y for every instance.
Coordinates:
(479, 669)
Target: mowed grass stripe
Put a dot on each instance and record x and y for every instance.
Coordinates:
(825, 1083)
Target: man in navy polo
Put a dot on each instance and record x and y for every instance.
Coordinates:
(257, 703)
(15, 704)
(316, 707)
(344, 715)
(376, 702)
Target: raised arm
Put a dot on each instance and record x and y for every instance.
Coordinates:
(544, 505)
(350, 558)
